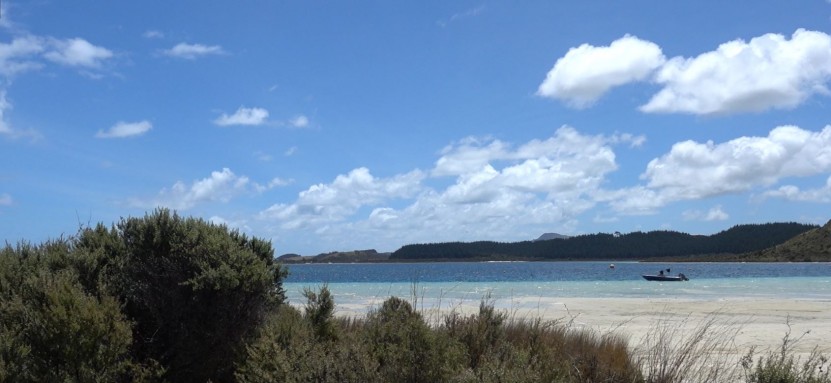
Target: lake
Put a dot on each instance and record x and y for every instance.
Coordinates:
(520, 284)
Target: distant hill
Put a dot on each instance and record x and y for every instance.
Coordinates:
(355, 256)
(548, 236)
(633, 246)
(810, 246)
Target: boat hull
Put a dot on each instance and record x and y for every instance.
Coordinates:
(665, 278)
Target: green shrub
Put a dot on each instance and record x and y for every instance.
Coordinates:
(51, 330)
(784, 367)
(407, 350)
(478, 333)
(320, 311)
(288, 350)
(195, 291)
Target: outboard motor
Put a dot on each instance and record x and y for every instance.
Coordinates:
(683, 277)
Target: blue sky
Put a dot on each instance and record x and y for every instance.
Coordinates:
(328, 126)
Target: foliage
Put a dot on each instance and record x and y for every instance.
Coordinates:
(636, 245)
(407, 350)
(478, 333)
(153, 297)
(288, 350)
(319, 311)
(165, 298)
(195, 291)
(52, 329)
(810, 246)
(783, 367)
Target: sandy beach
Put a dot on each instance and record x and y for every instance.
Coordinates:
(757, 323)
(760, 323)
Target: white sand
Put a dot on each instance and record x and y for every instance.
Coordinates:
(759, 323)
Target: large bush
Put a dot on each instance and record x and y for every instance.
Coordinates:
(51, 330)
(157, 297)
(195, 291)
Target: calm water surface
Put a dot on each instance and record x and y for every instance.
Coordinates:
(514, 284)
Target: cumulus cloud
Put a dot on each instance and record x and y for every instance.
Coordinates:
(585, 73)
(77, 52)
(125, 129)
(193, 51)
(566, 161)
(770, 71)
(497, 190)
(5, 199)
(694, 170)
(221, 186)
(243, 116)
(794, 193)
(323, 203)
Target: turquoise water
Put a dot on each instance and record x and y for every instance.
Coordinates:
(524, 284)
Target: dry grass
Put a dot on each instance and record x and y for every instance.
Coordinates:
(689, 350)
(491, 345)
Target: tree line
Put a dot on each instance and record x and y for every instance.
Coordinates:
(636, 245)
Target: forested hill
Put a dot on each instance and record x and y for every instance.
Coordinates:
(636, 246)
(810, 246)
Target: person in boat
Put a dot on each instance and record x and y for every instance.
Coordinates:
(661, 273)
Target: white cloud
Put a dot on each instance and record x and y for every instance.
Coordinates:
(243, 116)
(472, 12)
(467, 156)
(192, 51)
(565, 161)
(585, 73)
(19, 55)
(241, 225)
(125, 129)
(714, 214)
(299, 121)
(153, 34)
(334, 202)
(77, 52)
(279, 182)
(499, 191)
(794, 193)
(5, 21)
(5, 128)
(767, 72)
(263, 156)
(5, 199)
(693, 170)
(221, 186)
(290, 151)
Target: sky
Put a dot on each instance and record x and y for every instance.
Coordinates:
(334, 126)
